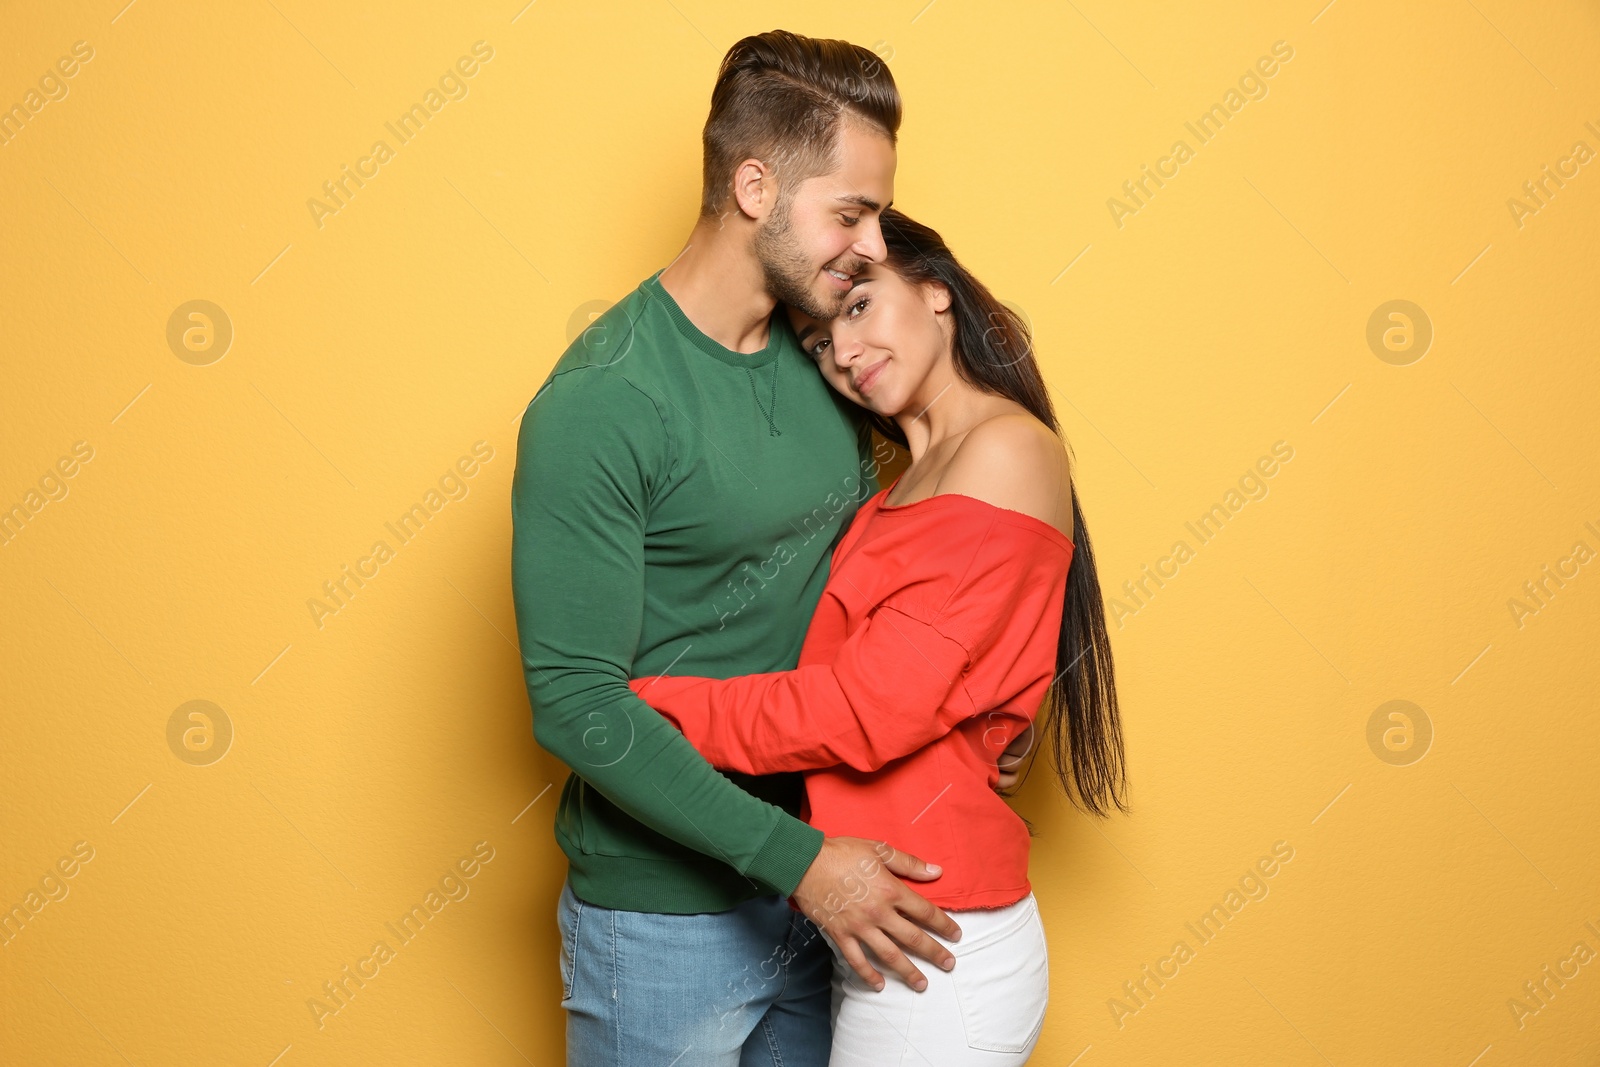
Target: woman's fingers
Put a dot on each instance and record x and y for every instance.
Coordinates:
(1016, 751)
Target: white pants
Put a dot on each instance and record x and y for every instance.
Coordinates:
(987, 1012)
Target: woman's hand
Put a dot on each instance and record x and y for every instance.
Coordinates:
(1011, 759)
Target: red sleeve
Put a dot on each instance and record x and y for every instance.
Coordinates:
(894, 685)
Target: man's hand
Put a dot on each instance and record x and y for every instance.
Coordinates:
(1012, 758)
(851, 892)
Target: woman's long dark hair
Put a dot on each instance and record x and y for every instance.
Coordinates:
(993, 351)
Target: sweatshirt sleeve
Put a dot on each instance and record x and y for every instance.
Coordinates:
(591, 451)
(896, 683)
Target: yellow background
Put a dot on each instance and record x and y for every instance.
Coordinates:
(372, 752)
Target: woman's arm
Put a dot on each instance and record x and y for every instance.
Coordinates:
(897, 683)
(890, 690)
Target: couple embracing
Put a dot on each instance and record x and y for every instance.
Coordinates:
(791, 698)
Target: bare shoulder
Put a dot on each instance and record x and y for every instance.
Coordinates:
(1013, 461)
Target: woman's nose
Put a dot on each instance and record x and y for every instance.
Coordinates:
(846, 351)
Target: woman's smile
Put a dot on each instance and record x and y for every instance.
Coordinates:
(864, 381)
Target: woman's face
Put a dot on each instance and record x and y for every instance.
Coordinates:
(880, 350)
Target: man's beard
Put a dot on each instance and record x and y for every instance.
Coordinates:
(784, 268)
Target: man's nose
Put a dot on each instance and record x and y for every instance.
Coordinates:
(871, 246)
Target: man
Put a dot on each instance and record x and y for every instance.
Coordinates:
(682, 477)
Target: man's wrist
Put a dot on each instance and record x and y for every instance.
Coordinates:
(786, 855)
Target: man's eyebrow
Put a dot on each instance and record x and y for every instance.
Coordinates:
(861, 199)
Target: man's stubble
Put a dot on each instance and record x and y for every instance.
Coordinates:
(785, 269)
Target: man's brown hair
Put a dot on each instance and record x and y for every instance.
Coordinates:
(780, 98)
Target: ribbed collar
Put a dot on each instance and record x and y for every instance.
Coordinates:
(778, 331)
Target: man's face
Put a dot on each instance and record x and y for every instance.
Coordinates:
(816, 239)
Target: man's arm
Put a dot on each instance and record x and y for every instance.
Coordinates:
(590, 452)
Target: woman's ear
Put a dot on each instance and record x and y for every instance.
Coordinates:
(938, 296)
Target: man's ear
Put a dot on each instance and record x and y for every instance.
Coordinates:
(754, 188)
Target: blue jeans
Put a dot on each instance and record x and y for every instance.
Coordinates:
(748, 987)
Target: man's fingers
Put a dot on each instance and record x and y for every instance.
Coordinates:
(920, 910)
(890, 956)
(850, 949)
(919, 942)
(908, 866)
(889, 919)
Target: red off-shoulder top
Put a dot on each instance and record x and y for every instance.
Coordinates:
(931, 649)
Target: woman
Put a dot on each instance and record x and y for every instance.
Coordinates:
(958, 599)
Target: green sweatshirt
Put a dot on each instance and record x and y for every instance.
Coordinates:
(674, 509)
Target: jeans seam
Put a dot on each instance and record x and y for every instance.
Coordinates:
(771, 1036)
(788, 957)
(616, 1001)
(572, 950)
(769, 1033)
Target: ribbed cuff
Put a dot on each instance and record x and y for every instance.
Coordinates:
(787, 855)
